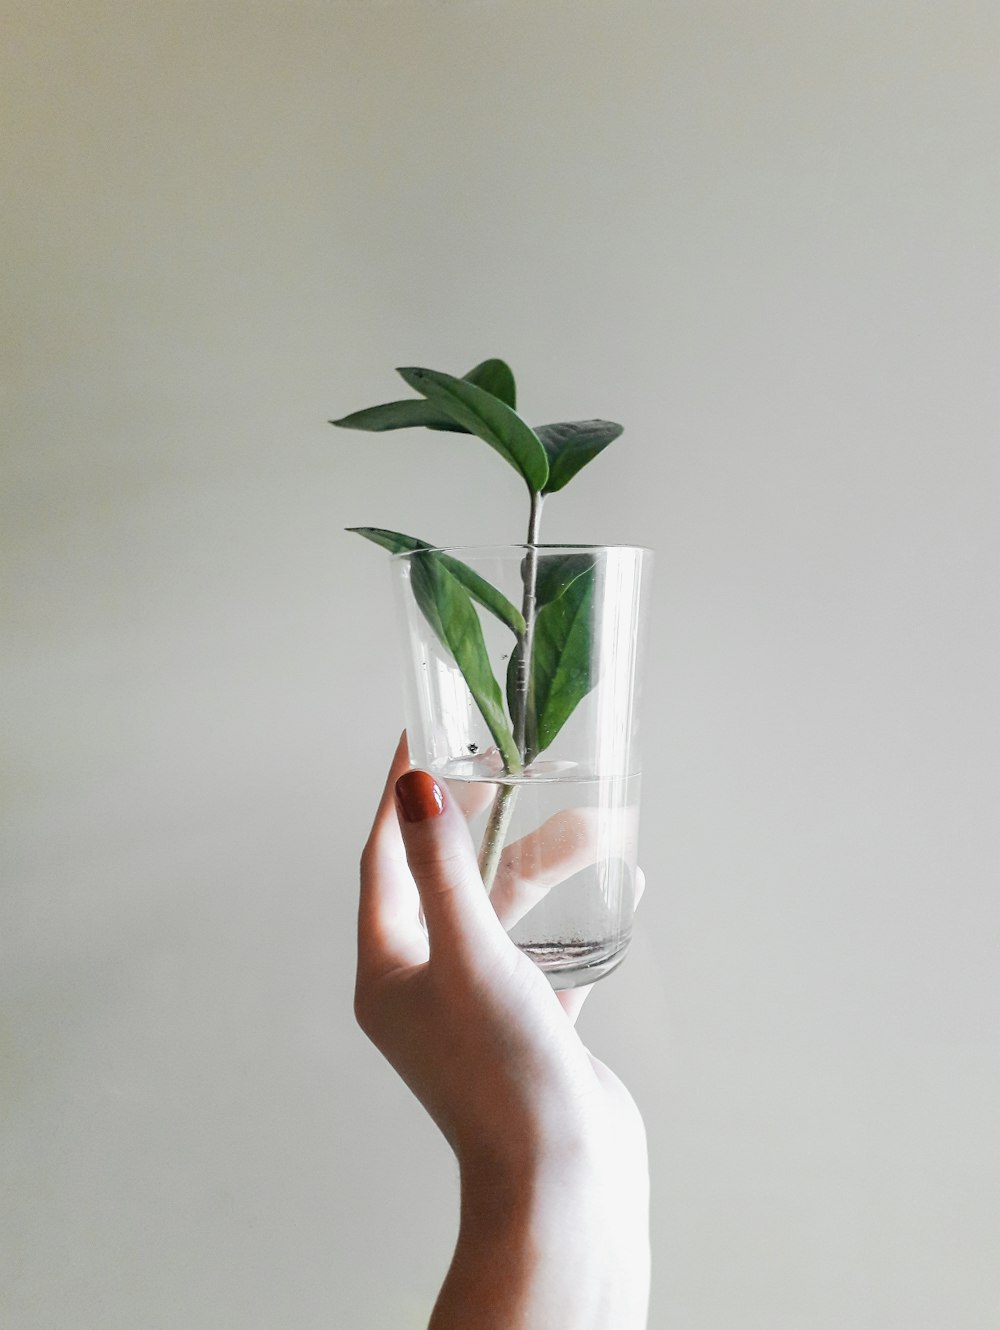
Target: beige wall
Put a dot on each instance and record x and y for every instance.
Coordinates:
(763, 235)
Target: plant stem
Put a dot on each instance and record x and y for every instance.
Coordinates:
(496, 833)
(524, 726)
(524, 721)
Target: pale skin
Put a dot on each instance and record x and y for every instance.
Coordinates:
(554, 1230)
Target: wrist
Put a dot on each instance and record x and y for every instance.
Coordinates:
(561, 1239)
(528, 1167)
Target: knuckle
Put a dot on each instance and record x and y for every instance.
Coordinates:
(365, 1010)
(367, 861)
(442, 867)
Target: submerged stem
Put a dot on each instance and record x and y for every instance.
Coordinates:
(496, 833)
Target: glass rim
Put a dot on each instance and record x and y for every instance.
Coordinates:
(520, 547)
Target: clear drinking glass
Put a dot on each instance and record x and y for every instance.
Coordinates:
(552, 800)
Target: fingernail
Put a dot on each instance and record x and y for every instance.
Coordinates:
(419, 796)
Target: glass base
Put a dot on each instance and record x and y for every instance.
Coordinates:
(573, 964)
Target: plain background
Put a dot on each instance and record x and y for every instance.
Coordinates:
(761, 234)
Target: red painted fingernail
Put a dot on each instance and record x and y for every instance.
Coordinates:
(419, 796)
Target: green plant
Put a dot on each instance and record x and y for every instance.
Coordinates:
(549, 669)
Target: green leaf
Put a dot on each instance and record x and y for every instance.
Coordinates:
(561, 650)
(488, 417)
(554, 573)
(571, 445)
(394, 541)
(449, 610)
(407, 414)
(493, 376)
(478, 588)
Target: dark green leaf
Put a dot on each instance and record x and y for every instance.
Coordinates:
(390, 540)
(478, 588)
(449, 610)
(488, 417)
(513, 694)
(571, 445)
(493, 376)
(554, 573)
(408, 414)
(561, 648)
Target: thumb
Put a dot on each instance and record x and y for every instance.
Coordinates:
(442, 860)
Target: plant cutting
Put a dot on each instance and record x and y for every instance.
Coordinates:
(549, 609)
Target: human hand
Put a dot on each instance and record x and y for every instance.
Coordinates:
(550, 1145)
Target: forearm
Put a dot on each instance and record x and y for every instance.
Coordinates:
(554, 1231)
(565, 1249)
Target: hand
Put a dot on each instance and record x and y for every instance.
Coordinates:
(551, 1148)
